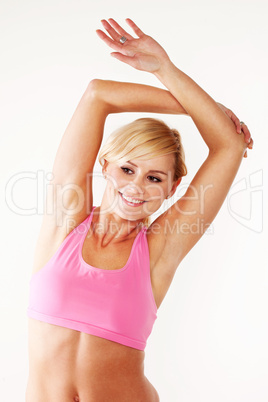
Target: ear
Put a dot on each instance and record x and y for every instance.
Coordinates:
(174, 187)
(104, 168)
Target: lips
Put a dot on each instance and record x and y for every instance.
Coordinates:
(131, 201)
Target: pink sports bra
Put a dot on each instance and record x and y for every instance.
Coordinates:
(113, 304)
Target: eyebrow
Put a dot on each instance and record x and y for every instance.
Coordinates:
(156, 171)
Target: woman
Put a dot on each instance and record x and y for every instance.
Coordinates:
(101, 273)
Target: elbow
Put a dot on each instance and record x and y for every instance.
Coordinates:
(97, 92)
(97, 89)
(232, 142)
(93, 87)
(238, 144)
(94, 84)
(236, 148)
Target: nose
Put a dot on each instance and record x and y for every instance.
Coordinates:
(136, 187)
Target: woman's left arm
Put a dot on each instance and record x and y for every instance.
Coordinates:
(185, 222)
(122, 97)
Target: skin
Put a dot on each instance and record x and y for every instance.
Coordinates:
(71, 365)
(139, 182)
(146, 54)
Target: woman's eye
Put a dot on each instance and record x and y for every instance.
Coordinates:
(151, 178)
(154, 179)
(126, 170)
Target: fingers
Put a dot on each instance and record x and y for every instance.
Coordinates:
(236, 121)
(116, 32)
(241, 128)
(246, 133)
(135, 28)
(233, 117)
(114, 45)
(115, 35)
(119, 29)
(250, 145)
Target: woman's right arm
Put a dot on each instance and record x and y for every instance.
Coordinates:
(71, 183)
(81, 141)
(131, 97)
(80, 144)
(70, 189)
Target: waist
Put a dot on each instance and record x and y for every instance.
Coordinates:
(73, 366)
(72, 355)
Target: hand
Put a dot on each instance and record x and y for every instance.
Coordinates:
(142, 53)
(240, 128)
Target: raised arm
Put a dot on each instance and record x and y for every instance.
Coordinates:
(81, 141)
(131, 97)
(208, 189)
(79, 146)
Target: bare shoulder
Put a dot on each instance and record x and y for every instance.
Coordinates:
(51, 236)
(64, 211)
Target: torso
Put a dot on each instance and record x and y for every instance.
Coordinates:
(68, 365)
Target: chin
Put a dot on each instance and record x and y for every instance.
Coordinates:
(130, 216)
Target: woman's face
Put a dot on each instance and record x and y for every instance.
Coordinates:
(137, 188)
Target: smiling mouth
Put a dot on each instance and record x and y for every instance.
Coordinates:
(131, 201)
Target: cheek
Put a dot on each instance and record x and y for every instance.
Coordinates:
(157, 192)
(117, 178)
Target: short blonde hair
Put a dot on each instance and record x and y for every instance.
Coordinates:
(145, 138)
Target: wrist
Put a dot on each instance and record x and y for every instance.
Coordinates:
(167, 68)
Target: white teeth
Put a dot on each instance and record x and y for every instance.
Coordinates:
(129, 199)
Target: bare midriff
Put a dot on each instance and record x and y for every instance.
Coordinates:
(67, 365)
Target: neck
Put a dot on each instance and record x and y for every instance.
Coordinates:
(107, 226)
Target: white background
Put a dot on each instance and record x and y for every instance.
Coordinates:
(209, 342)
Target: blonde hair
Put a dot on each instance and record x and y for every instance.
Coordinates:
(145, 138)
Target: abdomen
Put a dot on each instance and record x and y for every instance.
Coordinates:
(67, 365)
